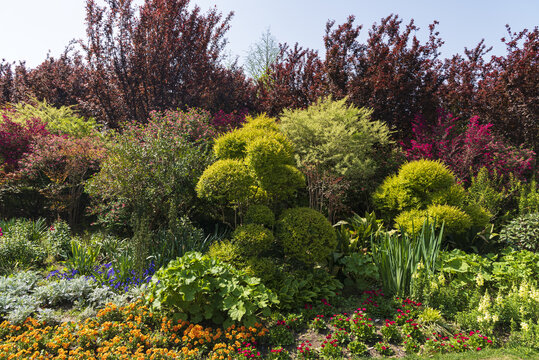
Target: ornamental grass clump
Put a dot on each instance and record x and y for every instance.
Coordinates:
(398, 256)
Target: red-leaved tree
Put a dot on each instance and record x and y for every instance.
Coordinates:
(294, 80)
(158, 56)
(503, 91)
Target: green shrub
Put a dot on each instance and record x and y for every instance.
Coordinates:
(254, 165)
(151, 171)
(252, 239)
(337, 136)
(264, 268)
(230, 145)
(482, 190)
(227, 252)
(226, 181)
(263, 153)
(417, 185)
(262, 122)
(22, 246)
(479, 216)
(523, 232)
(306, 235)
(260, 214)
(62, 120)
(197, 287)
(529, 198)
(456, 221)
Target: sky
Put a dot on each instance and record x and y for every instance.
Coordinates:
(29, 29)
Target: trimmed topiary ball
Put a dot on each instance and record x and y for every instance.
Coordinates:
(306, 235)
(260, 214)
(262, 267)
(417, 185)
(252, 239)
(455, 220)
(523, 232)
(214, 184)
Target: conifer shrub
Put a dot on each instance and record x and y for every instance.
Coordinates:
(306, 235)
(227, 252)
(417, 185)
(260, 214)
(226, 181)
(252, 239)
(255, 165)
(455, 219)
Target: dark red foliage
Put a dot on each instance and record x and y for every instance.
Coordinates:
(223, 121)
(13, 82)
(503, 91)
(342, 49)
(295, 80)
(157, 57)
(509, 94)
(392, 73)
(16, 141)
(61, 82)
(395, 74)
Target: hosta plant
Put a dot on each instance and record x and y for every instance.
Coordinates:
(523, 232)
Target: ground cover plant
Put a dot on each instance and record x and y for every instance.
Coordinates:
(149, 209)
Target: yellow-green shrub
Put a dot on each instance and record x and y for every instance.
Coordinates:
(260, 214)
(62, 120)
(478, 214)
(252, 239)
(228, 252)
(227, 181)
(255, 165)
(306, 235)
(262, 122)
(455, 219)
(417, 185)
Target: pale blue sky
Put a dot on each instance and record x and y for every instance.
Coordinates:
(30, 28)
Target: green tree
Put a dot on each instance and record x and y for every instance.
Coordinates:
(261, 55)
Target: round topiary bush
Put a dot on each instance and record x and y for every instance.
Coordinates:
(262, 267)
(455, 220)
(252, 239)
(260, 214)
(523, 232)
(306, 235)
(417, 185)
(215, 182)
